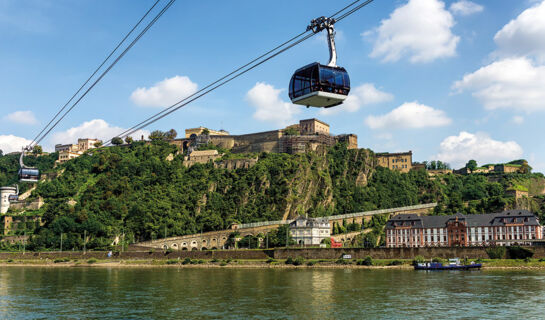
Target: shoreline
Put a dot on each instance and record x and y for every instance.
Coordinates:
(246, 264)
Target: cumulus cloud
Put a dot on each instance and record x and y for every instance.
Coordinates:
(459, 149)
(164, 93)
(409, 115)
(96, 128)
(11, 143)
(513, 83)
(421, 30)
(269, 106)
(22, 117)
(465, 8)
(365, 94)
(524, 35)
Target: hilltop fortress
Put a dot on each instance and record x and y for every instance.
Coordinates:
(297, 138)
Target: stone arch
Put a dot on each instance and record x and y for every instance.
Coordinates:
(174, 246)
(165, 247)
(214, 248)
(194, 243)
(184, 249)
(204, 248)
(194, 249)
(184, 244)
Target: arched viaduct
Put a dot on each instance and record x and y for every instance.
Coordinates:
(217, 239)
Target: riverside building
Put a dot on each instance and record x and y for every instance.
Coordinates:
(309, 231)
(502, 228)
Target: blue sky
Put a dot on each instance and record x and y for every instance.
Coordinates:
(449, 80)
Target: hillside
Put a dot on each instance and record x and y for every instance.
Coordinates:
(136, 191)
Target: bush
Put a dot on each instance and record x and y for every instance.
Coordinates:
(186, 260)
(214, 260)
(172, 261)
(439, 260)
(496, 252)
(200, 261)
(395, 263)
(10, 260)
(298, 261)
(342, 261)
(223, 264)
(91, 261)
(417, 260)
(368, 261)
(540, 260)
(271, 260)
(289, 260)
(527, 259)
(516, 252)
(311, 263)
(169, 250)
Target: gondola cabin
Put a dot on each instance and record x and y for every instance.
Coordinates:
(317, 85)
(29, 175)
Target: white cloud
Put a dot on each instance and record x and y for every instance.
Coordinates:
(514, 83)
(96, 128)
(11, 143)
(421, 29)
(524, 35)
(518, 120)
(269, 106)
(465, 8)
(164, 93)
(457, 150)
(22, 117)
(409, 115)
(362, 95)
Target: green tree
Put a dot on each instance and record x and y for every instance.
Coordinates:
(171, 134)
(128, 140)
(205, 132)
(471, 165)
(37, 150)
(117, 141)
(156, 135)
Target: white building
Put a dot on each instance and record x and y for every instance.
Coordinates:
(5, 193)
(309, 231)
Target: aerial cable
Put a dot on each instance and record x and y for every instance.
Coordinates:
(123, 134)
(233, 75)
(150, 24)
(176, 106)
(96, 70)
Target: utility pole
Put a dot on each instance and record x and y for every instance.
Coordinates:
(267, 241)
(84, 240)
(61, 241)
(287, 235)
(24, 242)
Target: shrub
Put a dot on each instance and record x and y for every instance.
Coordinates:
(368, 261)
(418, 259)
(91, 261)
(10, 260)
(169, 250)
(289, 260)
(200, 261)
(223, 264)
(496, 252)
(342, 261)
(172, 261)
(57, 260)
(298, 261)
(395, 263)
(437, 260)
(311, 263)
(527, 259)
(540, 260)
(186, 260)
(228, 260)
(516, 252)
(214, 260)
(271, 260)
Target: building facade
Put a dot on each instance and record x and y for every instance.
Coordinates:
(201, 156)
(71, 151)
(503, 228)
(309, 231)
(313, 126)
(401, 161)
(5, 194)
(199, 131)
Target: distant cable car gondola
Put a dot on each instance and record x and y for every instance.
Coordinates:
(27, 174)
(320, 85)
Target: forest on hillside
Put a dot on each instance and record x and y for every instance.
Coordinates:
(136, 191)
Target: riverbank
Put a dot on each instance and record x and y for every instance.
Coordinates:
(489, 264)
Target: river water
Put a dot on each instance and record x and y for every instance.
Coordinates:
(172, 293)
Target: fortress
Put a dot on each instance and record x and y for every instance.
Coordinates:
(308, 135)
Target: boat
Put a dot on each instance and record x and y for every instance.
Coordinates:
(454, 264)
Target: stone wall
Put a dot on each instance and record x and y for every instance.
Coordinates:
(393, 253)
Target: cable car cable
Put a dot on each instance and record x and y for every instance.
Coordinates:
(150, 24)
(96, 70)
(213, 83)
(134, 129)
(176, 106)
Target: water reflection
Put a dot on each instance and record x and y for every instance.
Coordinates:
(34, 292)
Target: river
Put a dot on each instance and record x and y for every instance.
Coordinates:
(171, 293)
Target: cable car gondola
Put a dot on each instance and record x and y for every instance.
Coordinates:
(27, 174)
(320, 85)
